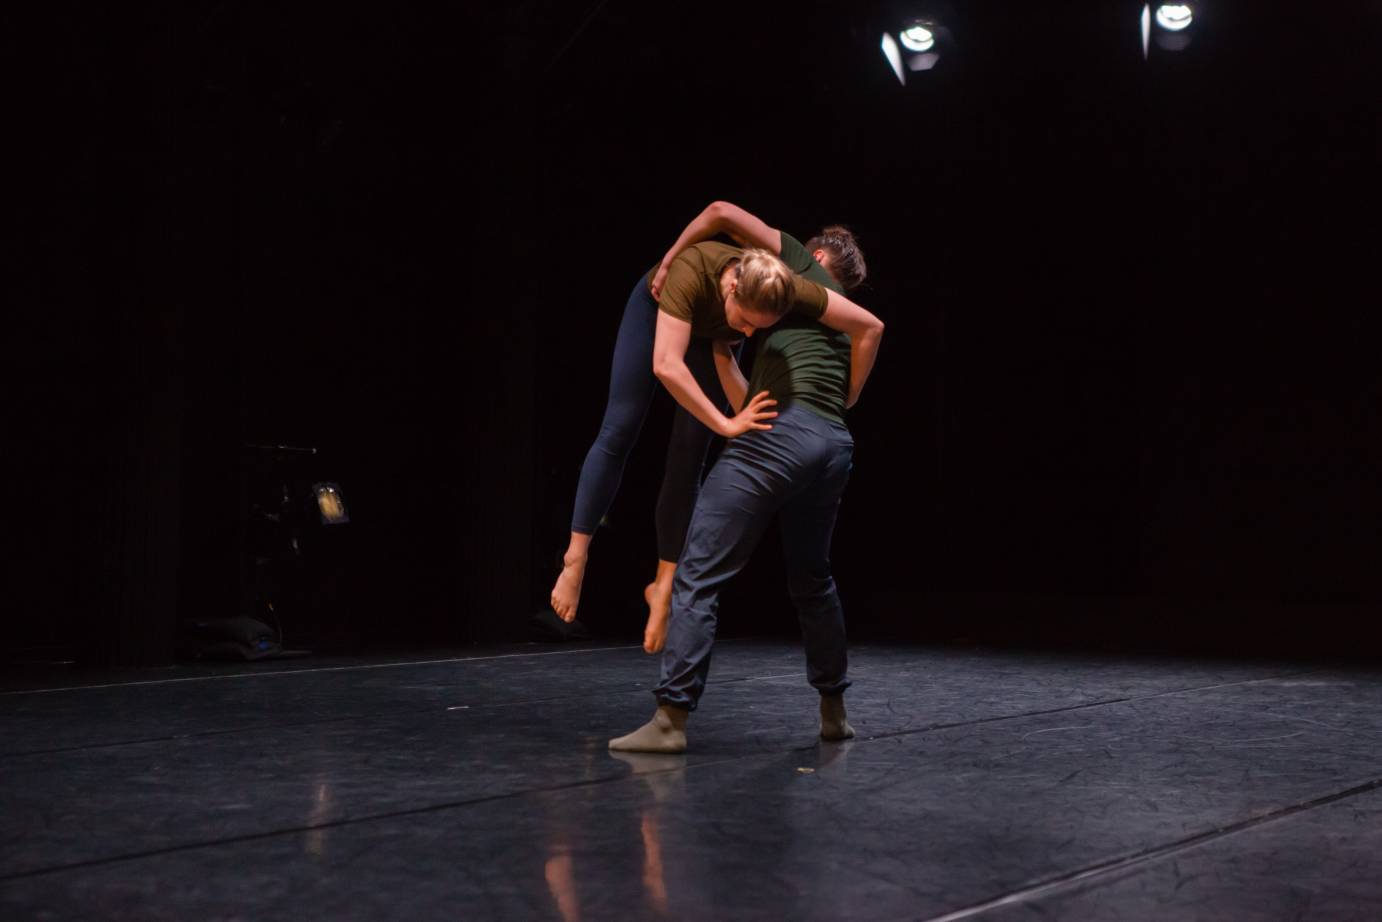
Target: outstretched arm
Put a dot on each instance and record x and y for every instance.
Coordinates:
(669, 364)
(865, 333)
(717, 218)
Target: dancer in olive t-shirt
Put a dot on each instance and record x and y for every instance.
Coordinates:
(702, 285)
(797, 471)
(831, 259)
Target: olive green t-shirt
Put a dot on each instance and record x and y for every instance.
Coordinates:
(799, 361)
(691, 291)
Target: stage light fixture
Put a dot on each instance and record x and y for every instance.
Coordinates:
(916, 46)
(1174, 17)
(330, 504)
(1173, 30)
(917, 37)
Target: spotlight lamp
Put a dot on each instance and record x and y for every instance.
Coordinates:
(1174, 17)
(1173, 26)
(330, 503)
(916, 46)
(918, 37)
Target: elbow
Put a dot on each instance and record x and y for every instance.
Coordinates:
(663, 367)
(718, 213)
(871, 329)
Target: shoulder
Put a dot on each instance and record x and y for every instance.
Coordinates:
(810, 297)
(795, 254)
(800, 261)
(682, 285)
(710, 253)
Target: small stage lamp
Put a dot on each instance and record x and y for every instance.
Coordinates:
(1173, 26)
(1174, 17)
(913, 47)
(917, 37)
(330, 504)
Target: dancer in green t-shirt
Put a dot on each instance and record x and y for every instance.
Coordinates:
(705, 292)
(796, 473)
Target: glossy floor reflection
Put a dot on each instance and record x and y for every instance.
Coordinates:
(995, 785)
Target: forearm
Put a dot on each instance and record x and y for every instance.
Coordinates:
(681, 384)
(725, 218)
(863, 350)
(704, 226)
(732, 380)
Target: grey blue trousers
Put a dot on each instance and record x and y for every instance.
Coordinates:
(798, 471)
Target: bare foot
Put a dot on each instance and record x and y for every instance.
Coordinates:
(659, 599)
(566, 594)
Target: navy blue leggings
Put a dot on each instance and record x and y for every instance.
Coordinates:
(632, 385)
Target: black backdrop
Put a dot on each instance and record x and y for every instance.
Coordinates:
(1128, 390)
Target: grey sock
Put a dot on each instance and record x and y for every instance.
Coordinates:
(834, 726)
(665, 733)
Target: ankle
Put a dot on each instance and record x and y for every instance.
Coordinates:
(833, 704)
(666, 573)
(671, 717)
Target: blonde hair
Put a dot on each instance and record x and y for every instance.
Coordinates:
(765, 283)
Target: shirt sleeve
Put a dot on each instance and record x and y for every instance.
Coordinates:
(678, 290)
(799, 259)
(795, 254)
(808, 298)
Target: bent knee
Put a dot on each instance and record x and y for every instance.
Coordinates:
(616, 439)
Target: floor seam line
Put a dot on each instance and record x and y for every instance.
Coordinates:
(283, 672)
(351, 821)
(1152, 855)
(929, 728)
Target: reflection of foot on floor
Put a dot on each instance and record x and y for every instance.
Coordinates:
(665, 733)
(834, 726)
(659, 599)
(662, 775)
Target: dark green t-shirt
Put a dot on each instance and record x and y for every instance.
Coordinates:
(691, 291)
(799, 361)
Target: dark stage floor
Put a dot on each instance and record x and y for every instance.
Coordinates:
(992, 785)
